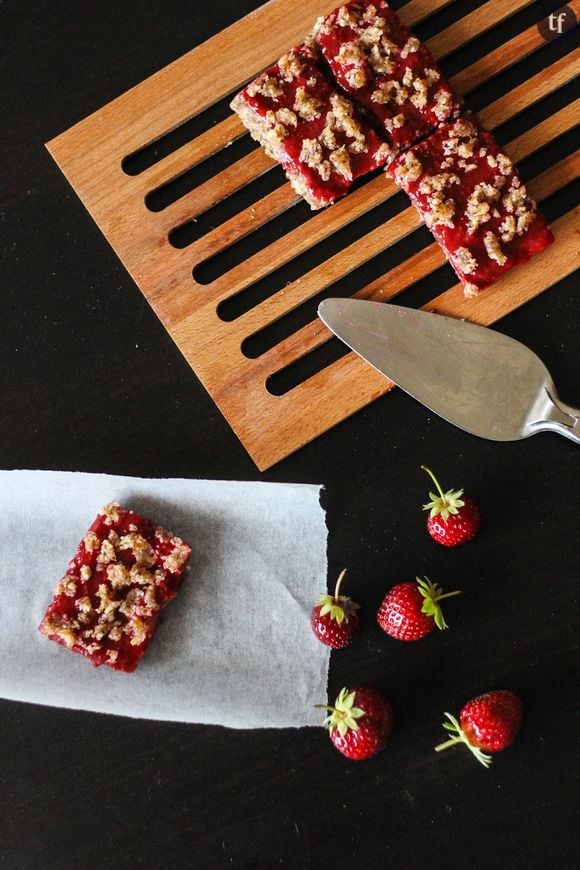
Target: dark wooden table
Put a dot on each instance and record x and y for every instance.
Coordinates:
(91, 381)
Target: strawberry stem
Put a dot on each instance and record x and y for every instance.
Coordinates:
(447, 595)
(452, 742)
(435, 481)
(460, 737)
(338, 582)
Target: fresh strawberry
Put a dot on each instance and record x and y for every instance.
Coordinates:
(452, 519)
(334, 619)
(410, 611)
(489, 723)
(361, 731)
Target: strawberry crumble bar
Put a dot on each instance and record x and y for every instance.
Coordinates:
(378, 62)
(107, 605)
(469, 194)
(304, 123)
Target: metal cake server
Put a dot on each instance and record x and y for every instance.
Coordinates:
(480, 380)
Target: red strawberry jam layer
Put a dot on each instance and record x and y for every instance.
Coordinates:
(107, 605)
(470, 196)
(383, 67)
(303, 122)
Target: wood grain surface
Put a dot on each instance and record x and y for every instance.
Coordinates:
(91, 155)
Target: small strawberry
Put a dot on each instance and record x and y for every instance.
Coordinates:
(410, 611)
(334, 618)
(452, 519)
(361, 731)
(488, 723)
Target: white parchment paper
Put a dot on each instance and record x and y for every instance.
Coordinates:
(235, 647)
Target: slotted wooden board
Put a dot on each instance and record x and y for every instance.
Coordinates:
(91, 155)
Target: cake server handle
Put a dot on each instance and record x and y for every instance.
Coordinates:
(559, 417)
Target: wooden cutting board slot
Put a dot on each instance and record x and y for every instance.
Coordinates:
(234, 265)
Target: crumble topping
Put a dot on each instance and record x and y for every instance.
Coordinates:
(341, 162)
(307, 105)
(394, 123)
(84, 604)
(350, 52)
(419, 98)
(443, 105)
(106, 553)
(311, 154)
(140, 547)
(290, 67)
(465, 149)
(461, 129)
(265, 85)
(61, 629)
(380, 61)
(435, 183)
(370, 13)
(384, 151)
(321, 25)
(493, 248)
(373, 35)
(465, 260)
(342, 111)
(409, 168)
(441, 210)
(345, 18)
(470, 291)
(92, 542)
(504, 164)
(287, 117)
(176, 559)
(118, 575)
(388, 91)
(432, 76)
(479, 204)
(357, 77)
(508, 228)
(67, 586)
(110, 512)
(411, 46)
(277, 132)
(328, 137)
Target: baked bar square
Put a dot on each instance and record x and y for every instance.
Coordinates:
(471, 197)
(311, 129)
(382, 66)
(107, 605)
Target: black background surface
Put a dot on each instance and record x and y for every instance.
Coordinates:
(90, 381)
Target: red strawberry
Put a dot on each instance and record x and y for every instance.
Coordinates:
(410, 611)
(488, 723)
(361, 731)
(334, 618)
(452, 519)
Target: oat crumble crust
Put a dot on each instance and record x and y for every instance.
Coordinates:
(471, 197)
(384, 67)
(124, 572)
(301, 120)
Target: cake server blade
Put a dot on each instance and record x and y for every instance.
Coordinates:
(476, 378)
